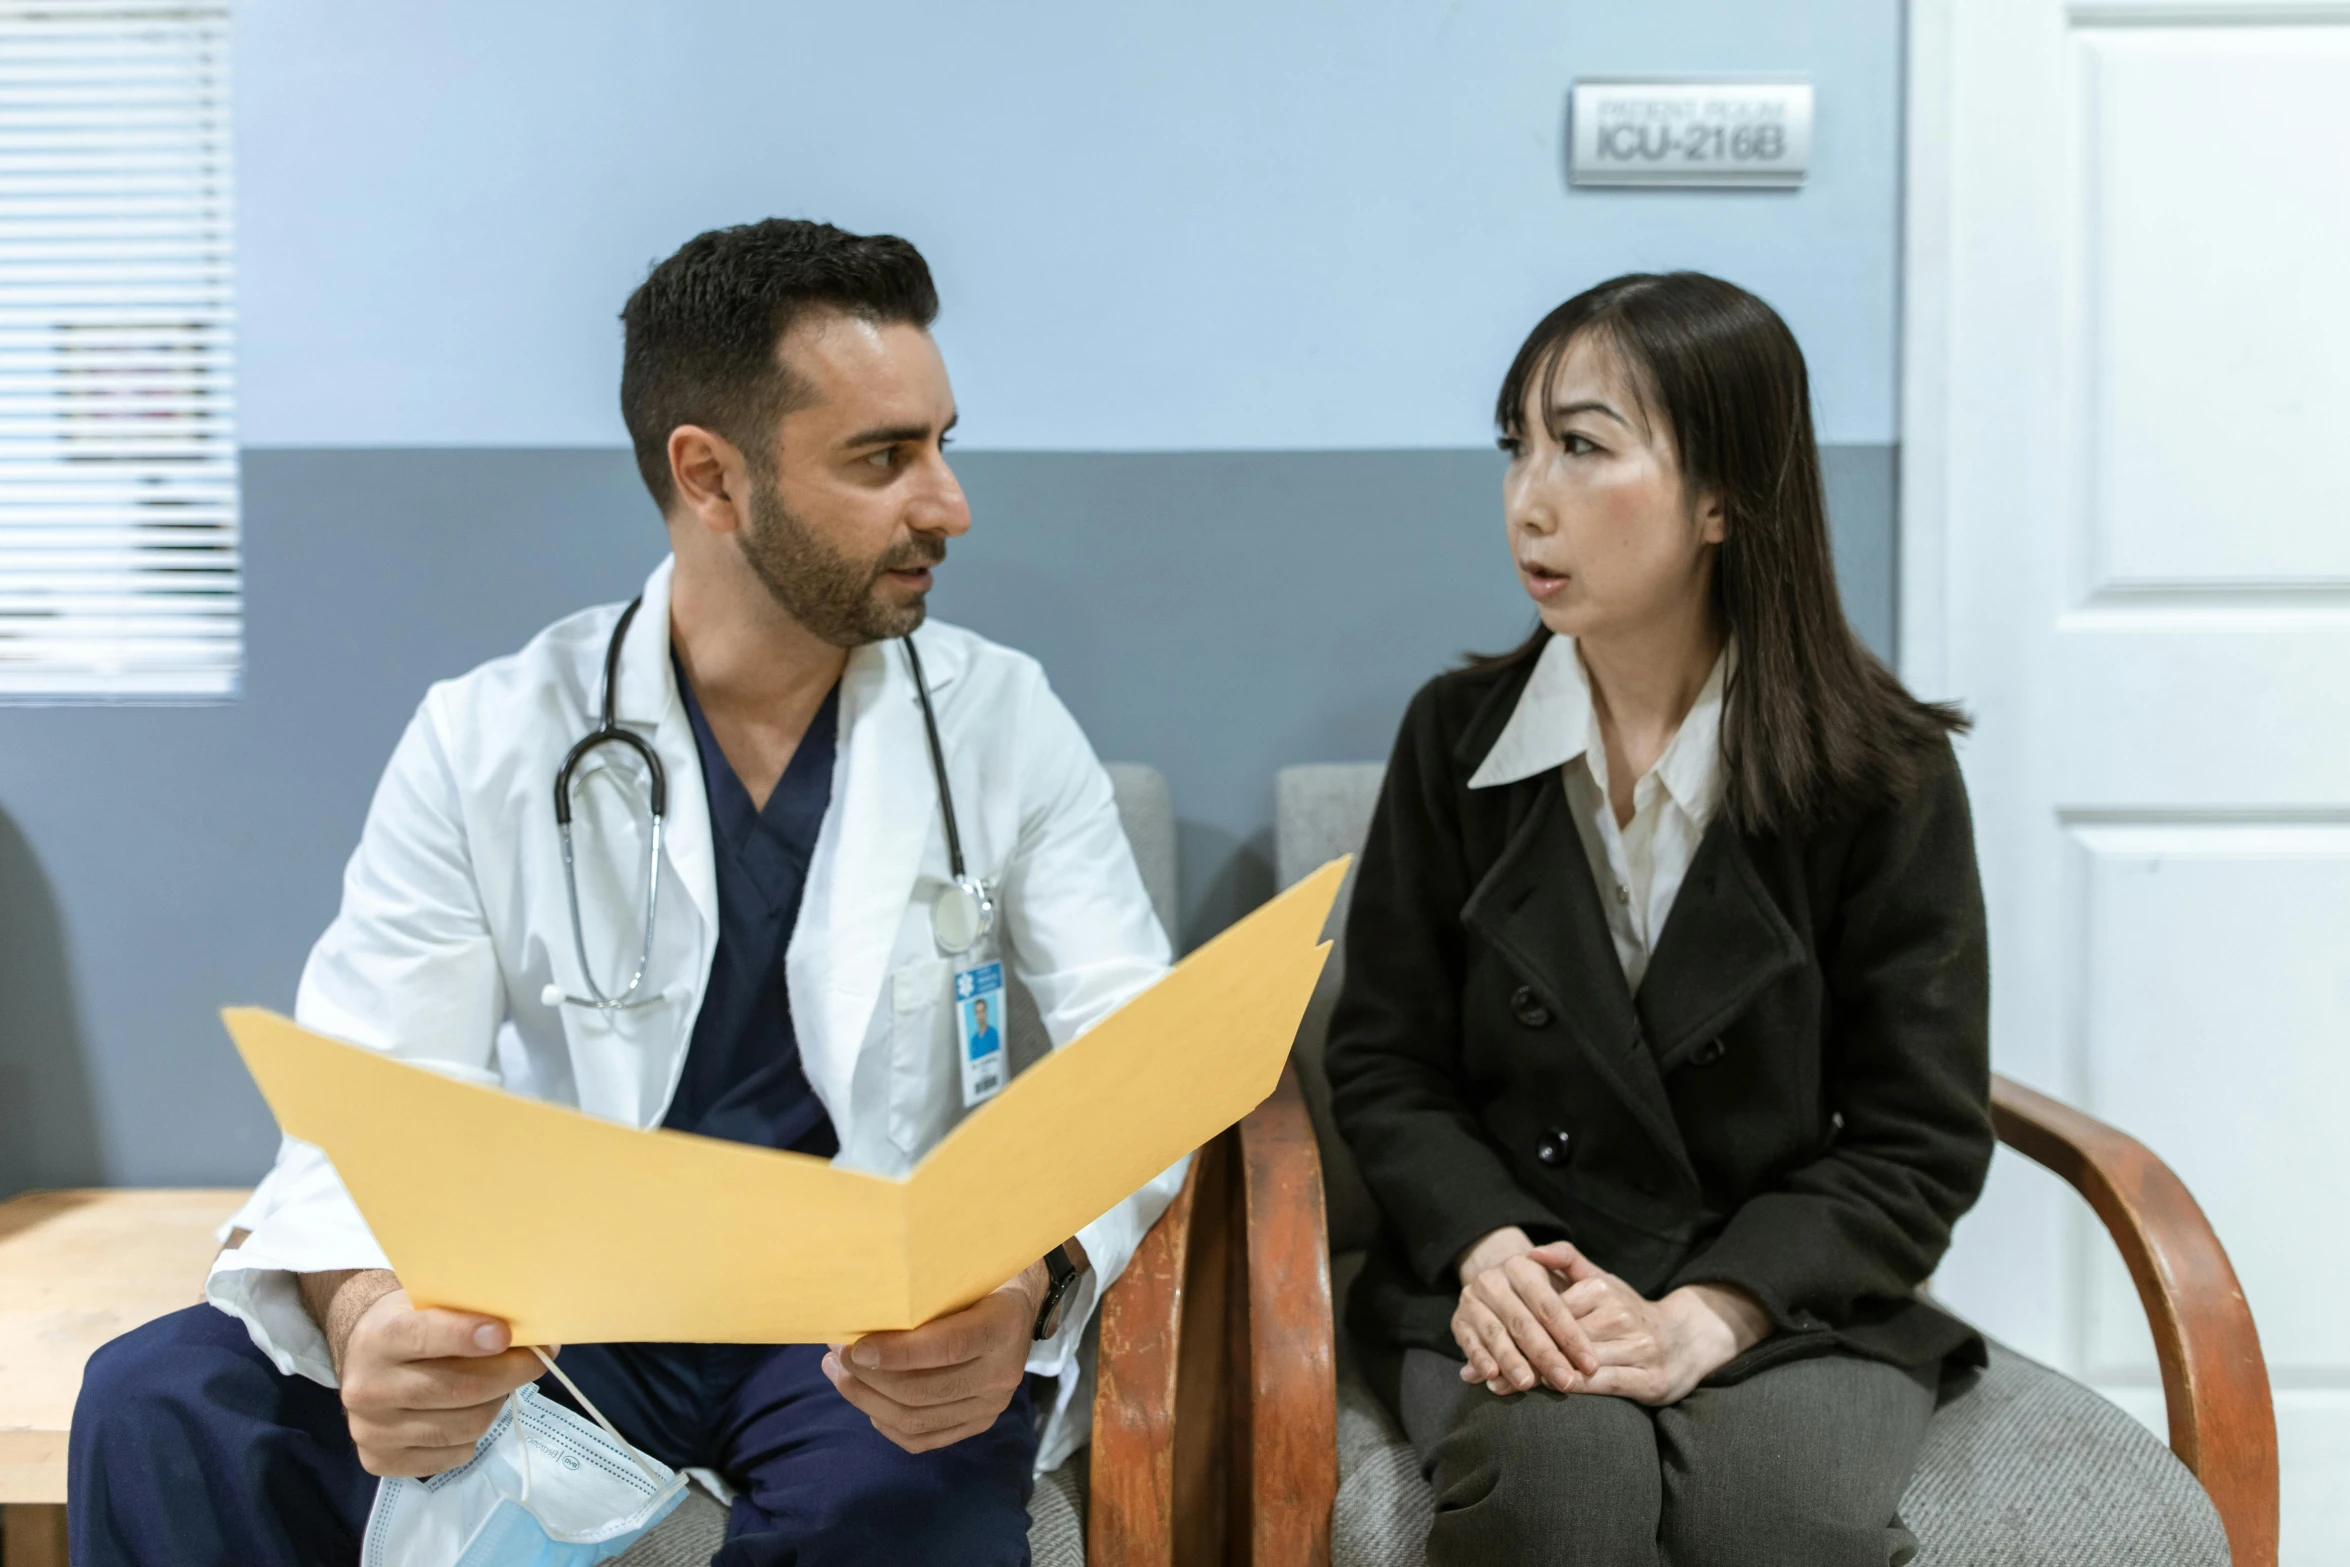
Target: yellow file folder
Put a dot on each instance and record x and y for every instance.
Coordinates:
(577, 1230)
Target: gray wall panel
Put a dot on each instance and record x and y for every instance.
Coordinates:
(1217, 614)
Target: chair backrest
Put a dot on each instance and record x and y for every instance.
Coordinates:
(1319, 813)
(1147, 812)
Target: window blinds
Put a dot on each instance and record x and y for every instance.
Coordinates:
(118, 471)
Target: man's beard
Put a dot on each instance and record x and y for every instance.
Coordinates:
(834, 596)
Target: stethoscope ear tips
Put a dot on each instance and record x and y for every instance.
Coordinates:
(552, 996)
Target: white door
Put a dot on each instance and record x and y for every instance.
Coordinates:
(2126, 547)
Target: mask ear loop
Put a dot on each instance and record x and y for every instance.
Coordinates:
(587, 1404)
(521, 1443)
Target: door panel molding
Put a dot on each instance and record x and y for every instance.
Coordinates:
(2205, 13)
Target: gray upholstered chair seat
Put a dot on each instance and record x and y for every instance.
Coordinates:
(2026, 1468)
(690, 1536)
(2029, 1467)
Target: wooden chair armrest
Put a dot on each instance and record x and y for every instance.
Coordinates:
(1285, 1430)
(2214, 1380)
(1156, 1485)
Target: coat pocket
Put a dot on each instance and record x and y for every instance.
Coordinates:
(923, 1086)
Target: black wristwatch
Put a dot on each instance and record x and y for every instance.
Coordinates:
(1060, 1274)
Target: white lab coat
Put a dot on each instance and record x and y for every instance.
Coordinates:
(454, 920)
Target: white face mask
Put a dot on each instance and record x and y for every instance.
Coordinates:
(562, 1493)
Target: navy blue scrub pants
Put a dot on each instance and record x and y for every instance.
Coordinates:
(189, 1449)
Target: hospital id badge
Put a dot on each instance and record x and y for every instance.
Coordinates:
(979, 1031)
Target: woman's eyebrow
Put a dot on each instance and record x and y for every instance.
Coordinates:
(1563, 410)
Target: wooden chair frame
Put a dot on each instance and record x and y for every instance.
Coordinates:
(1197, 1337)
(1158, 1479)
(2223, 1424)
(2214, 1380)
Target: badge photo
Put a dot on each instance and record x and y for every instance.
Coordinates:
(979, 1019)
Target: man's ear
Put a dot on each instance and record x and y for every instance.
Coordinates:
(710, 478)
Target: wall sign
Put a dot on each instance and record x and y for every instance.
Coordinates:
(1738, 133)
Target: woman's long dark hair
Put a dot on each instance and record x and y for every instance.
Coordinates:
(1813, 724)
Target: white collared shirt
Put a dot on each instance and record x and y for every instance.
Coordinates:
(1638, 867)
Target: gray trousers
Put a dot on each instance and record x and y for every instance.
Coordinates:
(1801, 1465)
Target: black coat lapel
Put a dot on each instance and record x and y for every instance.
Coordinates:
(1538, 908)
(1724, 940)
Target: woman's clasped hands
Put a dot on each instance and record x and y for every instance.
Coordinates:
(1548, 1315)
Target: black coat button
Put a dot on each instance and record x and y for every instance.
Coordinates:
(1548, 1153)
(1527, 1007)
(1553, 1147)
(1708, 1053)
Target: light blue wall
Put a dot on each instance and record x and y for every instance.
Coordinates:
(1173, 225)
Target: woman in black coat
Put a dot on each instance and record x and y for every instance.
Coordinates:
(1663, 1038)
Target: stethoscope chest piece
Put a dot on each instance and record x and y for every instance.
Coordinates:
(961, 916)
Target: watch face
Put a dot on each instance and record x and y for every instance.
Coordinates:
(1062, 1274)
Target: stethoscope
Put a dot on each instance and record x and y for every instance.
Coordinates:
(961, 917)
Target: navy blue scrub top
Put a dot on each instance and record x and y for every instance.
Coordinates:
(743, 1080)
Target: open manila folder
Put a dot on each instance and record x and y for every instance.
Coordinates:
(577, 1230)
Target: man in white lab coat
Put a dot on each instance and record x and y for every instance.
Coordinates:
(790, 413)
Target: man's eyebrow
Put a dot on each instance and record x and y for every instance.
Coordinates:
(1588, 406)
(892, 434)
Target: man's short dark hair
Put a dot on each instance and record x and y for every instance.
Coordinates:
(702, 329)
